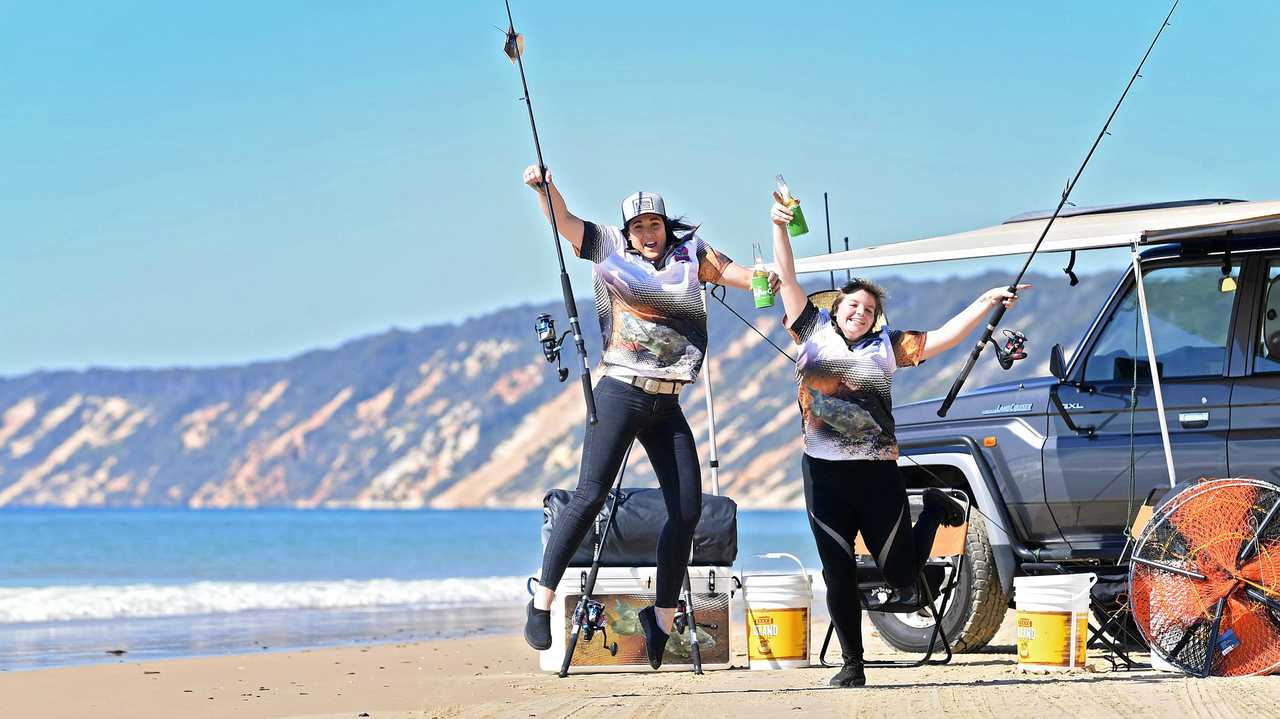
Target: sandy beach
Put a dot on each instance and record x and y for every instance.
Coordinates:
(497, 676)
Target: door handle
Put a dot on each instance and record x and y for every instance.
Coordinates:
(1193, 420)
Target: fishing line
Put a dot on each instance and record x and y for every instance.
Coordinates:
(998, 314)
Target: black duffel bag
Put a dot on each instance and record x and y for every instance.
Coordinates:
(633, 539)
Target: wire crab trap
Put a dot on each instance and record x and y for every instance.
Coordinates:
(1204, 579)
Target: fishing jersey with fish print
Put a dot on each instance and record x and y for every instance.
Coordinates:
(653, 320)
(844, 387)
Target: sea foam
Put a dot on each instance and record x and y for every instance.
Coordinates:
(76, 602)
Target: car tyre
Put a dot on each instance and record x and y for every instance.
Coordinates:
(976, 610)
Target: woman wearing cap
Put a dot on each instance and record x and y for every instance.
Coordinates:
(648, 276)
(844, 371)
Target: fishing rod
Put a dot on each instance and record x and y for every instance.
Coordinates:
(998, 314)
(513, 48)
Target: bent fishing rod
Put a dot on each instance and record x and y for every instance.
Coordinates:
(998, 314)
(513, 48)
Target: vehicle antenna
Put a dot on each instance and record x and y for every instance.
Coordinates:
(826, 210)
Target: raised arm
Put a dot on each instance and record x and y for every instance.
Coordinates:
(570, 226)
(967, 320)
(793, 297)
(735, 275)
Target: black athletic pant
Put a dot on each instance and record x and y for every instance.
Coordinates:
(626, 413)
(867, 496)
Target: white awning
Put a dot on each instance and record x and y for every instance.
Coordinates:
(1082, 232)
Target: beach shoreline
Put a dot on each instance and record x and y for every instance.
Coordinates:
(496, 675)
(60, 645)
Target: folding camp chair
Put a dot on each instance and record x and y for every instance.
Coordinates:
(1113, 633)
(934, 587)
(1109, 601)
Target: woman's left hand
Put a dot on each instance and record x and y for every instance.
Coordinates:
(996, 295)
(775, 283)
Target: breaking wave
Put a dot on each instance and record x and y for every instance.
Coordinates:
(68, 602)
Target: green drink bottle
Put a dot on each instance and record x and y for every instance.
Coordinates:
(797, 226)
(760, 281)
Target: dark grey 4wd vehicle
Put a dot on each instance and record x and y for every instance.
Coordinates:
(1052, 479)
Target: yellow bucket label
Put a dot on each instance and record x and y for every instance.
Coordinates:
(778, 633)
(1044, 638)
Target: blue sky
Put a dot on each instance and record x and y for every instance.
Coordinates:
(212, 183)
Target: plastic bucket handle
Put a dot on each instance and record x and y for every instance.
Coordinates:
(785, 555)
(1093, 580)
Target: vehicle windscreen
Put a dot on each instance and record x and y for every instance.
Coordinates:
(1190, 312)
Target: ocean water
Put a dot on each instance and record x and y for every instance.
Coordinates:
(79, 586)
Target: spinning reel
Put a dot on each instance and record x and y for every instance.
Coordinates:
(680, 622)
(1015, 348)
(589, 616)
(545, 326)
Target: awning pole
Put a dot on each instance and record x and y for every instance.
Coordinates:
(711, 407)
(1151, 362)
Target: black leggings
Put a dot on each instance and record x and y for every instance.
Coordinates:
(626, 413)
(867, 496)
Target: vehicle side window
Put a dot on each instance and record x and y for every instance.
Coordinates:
(1190, 311)
(1268, 359)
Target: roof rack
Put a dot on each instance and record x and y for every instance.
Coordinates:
(1106, 209)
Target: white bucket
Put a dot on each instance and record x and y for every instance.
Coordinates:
(1053, 621)
(778, 609)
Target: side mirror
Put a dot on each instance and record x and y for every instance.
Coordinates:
(1057, 367)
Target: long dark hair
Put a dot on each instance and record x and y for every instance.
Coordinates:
(673, 225)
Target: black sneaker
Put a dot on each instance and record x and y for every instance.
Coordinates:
(948, 507)
(537, 627)
(655, 640)
(850, 675)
